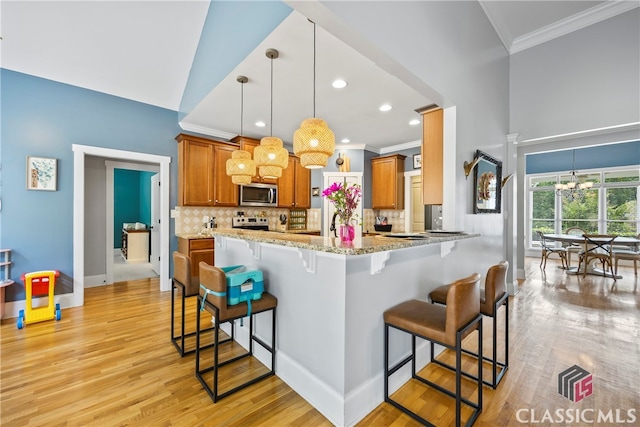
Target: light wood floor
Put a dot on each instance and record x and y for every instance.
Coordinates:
(111, 363)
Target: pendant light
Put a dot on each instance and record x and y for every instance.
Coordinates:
(314, 142)
(270, 156)
(240, 167)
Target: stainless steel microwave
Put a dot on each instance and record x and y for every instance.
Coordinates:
(265, 195)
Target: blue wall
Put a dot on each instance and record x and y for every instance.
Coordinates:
(44, 118)
(225, 41)
(132, 200)
(602, 156)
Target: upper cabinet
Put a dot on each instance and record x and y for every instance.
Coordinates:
(432, 157)
(249, 144)
(387, 182)
(294, 186)
(202, 177)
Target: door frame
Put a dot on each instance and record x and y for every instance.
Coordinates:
(407, 198)
(111, 166)
(79, 154)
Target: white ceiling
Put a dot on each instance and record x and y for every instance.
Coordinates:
(143, 51)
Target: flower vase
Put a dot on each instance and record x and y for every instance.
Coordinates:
(347, 233)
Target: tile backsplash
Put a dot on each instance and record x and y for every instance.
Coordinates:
(190, 220)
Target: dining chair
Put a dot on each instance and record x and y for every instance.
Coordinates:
(549, 250)
(627, 253)
(574, 248)
(598, 246)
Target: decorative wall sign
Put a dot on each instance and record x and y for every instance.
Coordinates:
(41, 173)
(417, 161)
(487, 179)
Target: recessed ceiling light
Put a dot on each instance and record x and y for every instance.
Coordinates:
(414, 122)
(385, 107)
(261, 124)
(345, 140)
(339, 84)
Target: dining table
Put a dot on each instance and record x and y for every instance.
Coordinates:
(632, 242)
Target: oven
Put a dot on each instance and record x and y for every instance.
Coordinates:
(250, 223)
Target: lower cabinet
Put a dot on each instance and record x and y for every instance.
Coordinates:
(135, 245)
(198, 250)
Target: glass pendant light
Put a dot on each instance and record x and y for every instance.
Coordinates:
(240, 167)
(314, 142)
(270, 156)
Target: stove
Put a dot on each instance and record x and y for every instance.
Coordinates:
(250, 223)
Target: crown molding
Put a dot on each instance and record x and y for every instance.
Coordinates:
(207, 131)
(400, 147)
(499, 25)
(565, 26)
(581, 134)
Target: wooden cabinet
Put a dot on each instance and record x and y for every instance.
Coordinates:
(294, 186)
(387, 182)
(249, 144)
(198, 250)
(432, 157)
(202, 177)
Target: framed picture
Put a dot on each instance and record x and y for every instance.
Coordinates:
(315, 191)
(41, 173)
(417, 161)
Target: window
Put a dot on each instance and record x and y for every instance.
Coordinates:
(609, 207)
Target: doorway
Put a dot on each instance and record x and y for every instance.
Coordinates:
(80, 152)
(117, 268)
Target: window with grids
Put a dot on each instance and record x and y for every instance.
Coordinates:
(609, 207)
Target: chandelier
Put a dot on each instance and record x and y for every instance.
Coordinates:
(574, 189)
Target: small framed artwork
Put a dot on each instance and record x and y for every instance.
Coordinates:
(417, 161)
(315, 191)
(41, 173)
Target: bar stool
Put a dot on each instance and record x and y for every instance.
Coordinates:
(492, 297)
(213, 299)
(188, 285)
(446, 326)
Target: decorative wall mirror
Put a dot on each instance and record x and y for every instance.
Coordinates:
(486, 184)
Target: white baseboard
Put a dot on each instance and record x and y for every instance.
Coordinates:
(93, 281)
(339, 410)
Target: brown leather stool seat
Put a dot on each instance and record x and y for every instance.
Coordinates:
(446, 326)
(492, 296)
(188, 286)
(214, 279)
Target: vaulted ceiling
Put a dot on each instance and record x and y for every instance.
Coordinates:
(143, 51)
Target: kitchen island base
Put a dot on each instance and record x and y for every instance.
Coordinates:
(330, 331)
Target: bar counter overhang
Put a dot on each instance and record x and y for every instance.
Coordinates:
(330, 303)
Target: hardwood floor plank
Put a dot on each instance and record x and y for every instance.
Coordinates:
(111, 363)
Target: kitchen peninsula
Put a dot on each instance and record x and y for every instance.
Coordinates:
(330, 303)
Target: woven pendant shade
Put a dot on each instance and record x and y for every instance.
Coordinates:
(240, 167)
(314, 143)
(271, 157)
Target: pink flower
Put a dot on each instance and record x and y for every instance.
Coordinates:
(345, 199)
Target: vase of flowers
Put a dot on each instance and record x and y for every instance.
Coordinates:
(345, 199)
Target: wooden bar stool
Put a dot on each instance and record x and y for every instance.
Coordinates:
(446, 326)
(213, 299)
(492, 297)
(188, 286)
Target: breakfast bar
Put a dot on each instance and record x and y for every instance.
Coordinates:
(331, 297)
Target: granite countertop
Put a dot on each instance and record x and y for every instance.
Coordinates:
(360, 246)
